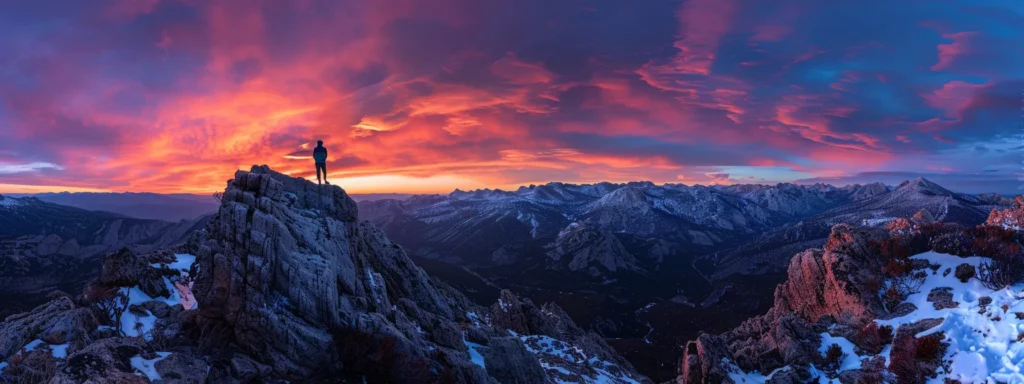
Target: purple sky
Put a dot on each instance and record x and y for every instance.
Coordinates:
(429, 96)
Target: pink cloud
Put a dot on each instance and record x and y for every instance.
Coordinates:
(517, 71)
(949, 52)
(702, 25)
(952, 97)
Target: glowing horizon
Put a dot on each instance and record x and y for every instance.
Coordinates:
(413, 96)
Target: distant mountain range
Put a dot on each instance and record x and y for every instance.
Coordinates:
(46, 246)
(151, 206)
(156, 206)
(487, 227)
(646, 265)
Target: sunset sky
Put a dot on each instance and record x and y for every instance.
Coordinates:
(432, 95)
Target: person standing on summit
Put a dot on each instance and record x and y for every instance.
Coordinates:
(320, 157)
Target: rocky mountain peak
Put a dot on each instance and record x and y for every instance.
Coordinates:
(629, 196)
(583, 247)
(286, 283)
(924, 186)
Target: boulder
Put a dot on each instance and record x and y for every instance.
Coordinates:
(182, 368)
(158, 308)
(508, 313)
(706, 360)
(126, 268)
(872, 371)
(942, 298)
(59, 321)
(797, 375)
(245, 369)
(508, 361)
(106, 361)
(50, 245)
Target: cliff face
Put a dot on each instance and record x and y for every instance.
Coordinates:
(295, 287)
(829, 284)
(1009, 218)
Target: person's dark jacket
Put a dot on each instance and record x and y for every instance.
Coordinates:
(320, 154)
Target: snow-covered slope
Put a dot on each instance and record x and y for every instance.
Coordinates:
(884, 305)
(982, 328)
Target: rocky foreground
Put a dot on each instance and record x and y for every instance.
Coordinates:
(915, 302)
(286, 284)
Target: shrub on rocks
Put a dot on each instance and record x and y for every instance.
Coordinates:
(900, 227)
(107, 303)
(1002, 271)
(965, 272)
(834, 357)
(870, 338)
(893, 297)
(994, 241)
(929, 348)
(885, 334)
(914, 360)
(953, 243)
(894, 249)
(36, 366)
(903, 364)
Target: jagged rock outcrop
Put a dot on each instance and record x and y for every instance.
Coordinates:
(287, 267)
(824, 287)
(126, 268)
(1012, 218)
(832, 282)
(290, 285)
(923, 217)
(58, 321)
(285, 264)
(103, 362)
(508, 361)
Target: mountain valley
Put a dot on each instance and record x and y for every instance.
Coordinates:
(629, 273)
(647, 266)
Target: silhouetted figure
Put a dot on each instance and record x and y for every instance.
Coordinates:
(320, 157)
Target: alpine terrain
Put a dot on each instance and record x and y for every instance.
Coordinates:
(647, 266)
(46, 246)
(285, 284)
(915, 302)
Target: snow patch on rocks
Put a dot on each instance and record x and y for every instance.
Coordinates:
(567, 363)
(474, 352)
(982, 338)
(852, 361)
(147, 367)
